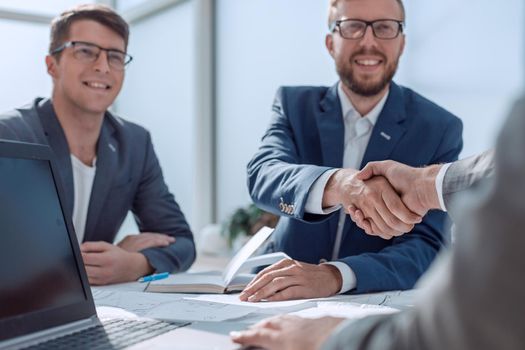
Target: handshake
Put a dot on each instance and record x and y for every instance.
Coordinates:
(386, 198)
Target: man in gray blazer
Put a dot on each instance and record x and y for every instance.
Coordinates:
(473, 298)
(107, 165)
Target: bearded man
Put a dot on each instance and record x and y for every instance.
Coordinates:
(319, 137)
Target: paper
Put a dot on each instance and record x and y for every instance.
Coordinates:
(266, 307)
(137, 302)
(191, 310)
(394, 299)
(170, 307)
(346, 310)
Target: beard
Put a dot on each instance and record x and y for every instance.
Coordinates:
(366, 87)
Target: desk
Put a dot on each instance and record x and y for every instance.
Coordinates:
(215, 335)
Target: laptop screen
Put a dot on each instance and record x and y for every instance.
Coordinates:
(41, 275)
(39, 270)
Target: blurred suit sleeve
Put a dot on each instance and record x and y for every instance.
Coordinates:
(473, 298)
(463, 174)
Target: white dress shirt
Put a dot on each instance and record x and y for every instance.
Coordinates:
(83, 177)
(358, 130)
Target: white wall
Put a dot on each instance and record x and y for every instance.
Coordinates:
(48, 7)
(158, 94)
(23, 70)
(466, 56)
(24, 48)
(123, 5)
(262, 44)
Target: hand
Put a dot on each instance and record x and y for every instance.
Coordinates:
(145, 240)
(106, 263)
(287, 333)
(291, 279)
(376, 199)
(416, 186)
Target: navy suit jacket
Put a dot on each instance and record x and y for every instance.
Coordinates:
(128, 177)
(306, 138)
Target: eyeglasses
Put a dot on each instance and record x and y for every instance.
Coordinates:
(355, 28)
(89, 53)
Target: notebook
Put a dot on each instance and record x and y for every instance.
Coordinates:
(45, 299)
(215, 282)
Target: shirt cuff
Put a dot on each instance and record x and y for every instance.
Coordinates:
(348, 276)
(314, 202)
(439, 185)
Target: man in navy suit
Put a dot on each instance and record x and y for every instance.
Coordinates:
(305, 167)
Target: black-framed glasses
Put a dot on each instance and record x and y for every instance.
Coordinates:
(89, 53)
(355, 28)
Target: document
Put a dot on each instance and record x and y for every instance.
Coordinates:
(215, 282)
(261, 307)
(344, 309)
(169, 307)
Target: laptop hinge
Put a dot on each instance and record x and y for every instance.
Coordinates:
(55, 332)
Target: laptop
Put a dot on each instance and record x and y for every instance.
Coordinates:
(45, 299)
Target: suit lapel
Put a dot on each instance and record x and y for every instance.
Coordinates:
(331, 129)
(107, 161)
(388, 129)
(56, 139)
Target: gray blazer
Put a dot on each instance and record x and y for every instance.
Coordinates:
(465, 173)
(474, 298)
(128, 177)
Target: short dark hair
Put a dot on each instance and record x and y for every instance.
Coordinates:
(102, 14)
(334, 3)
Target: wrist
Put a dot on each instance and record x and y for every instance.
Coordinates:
(336, 189)
(426, 187)
(141, 265)
(331, 195)
(337, 277)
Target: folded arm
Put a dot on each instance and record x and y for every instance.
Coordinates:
(155, 210)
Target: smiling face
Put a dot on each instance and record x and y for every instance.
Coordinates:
(367, 65)
(88, 88)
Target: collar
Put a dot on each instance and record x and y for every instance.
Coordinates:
(347, 108)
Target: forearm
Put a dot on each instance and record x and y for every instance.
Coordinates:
(387, 332)
(140, 265)
(176, 257)
(275, 185)
(464, 173)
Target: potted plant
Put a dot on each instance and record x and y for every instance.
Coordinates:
(245, 222)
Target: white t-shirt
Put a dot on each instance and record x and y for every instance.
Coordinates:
(83, 177)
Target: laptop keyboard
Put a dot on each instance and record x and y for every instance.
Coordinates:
(113, 334)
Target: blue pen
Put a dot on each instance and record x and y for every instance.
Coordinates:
(154, 277)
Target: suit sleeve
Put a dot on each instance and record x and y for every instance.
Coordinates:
(400, 265)
(277, 181)
(156, 210)
(465, 173)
